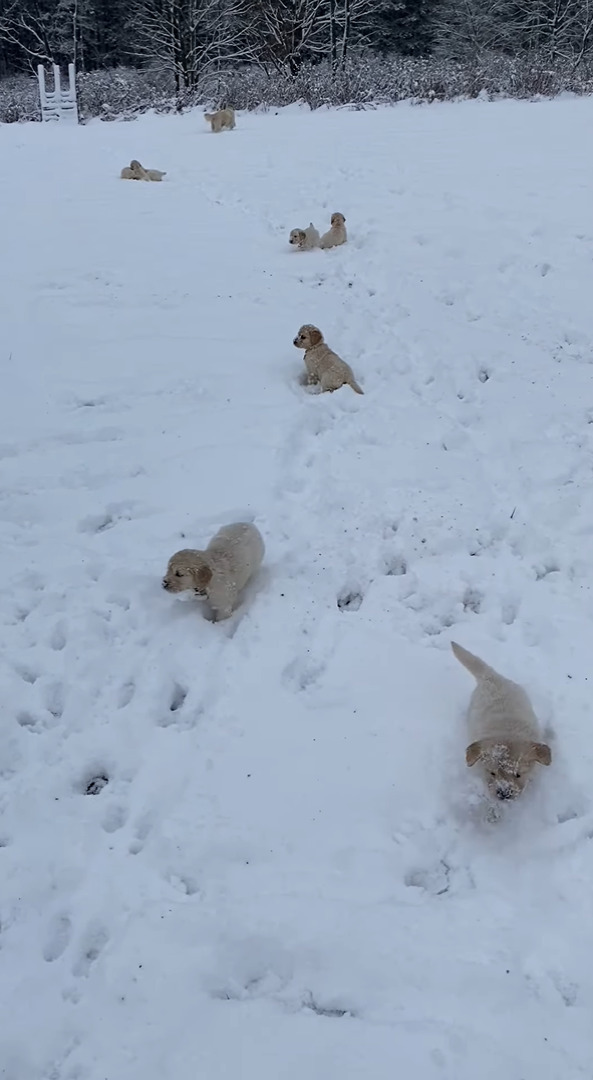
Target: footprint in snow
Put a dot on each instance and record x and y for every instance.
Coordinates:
(58, 938)
(142, 830)
(57, 637)
(125, 694)
(31, 722)
(110, 517)
(472, 601)
(349, 600)
(115, 818)
(302, 673)
(395, 566)
(91, 946)
(334, 1010)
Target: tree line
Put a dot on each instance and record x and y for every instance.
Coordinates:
(191, 38)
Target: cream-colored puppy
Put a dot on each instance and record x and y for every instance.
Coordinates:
(304, 239)
(135, 171)
(323, 365)
(336, 235)
(155, 174)
(221, 571)
(223, 120)
(504, 729)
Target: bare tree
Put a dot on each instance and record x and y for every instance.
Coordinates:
(470, 29)
(32, 29)
(556, 29)
(190, 37)
(285, 33)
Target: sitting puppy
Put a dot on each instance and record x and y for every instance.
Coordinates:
(135, 171)
(336, 235)
(223, 120)
(221, 571)
(324, 366)
(504, 727)
(304, 239)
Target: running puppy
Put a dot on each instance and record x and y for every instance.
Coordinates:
(505, 729)
(223, 120)
(304, 239)
(135, 171)
(323, 365)
(337, 233)
(221, 571)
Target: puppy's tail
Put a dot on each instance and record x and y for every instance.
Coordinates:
(353, 383)
(478, 668)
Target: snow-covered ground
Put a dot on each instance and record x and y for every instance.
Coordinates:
(290, 873)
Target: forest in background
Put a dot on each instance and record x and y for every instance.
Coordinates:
(135, 54)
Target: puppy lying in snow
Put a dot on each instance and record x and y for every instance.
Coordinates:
(337, 233)
(221, 571)
(505, 729)
(223, 120)
(323, 365)
(135, 171)
(304, 239)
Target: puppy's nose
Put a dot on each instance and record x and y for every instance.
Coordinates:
(165, 583)
(503, 792)
(296, 341)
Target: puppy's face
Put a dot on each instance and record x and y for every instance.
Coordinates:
(297, 237)
(136, 165)
(307, 337)
(507, 766)
(187, 571)
(337, 220)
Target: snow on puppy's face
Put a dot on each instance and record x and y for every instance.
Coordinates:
(187, 570)
(308, 337)
(507, 765)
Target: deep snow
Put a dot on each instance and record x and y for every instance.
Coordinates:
(290, 872)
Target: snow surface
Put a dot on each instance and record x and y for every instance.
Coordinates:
(290, 872)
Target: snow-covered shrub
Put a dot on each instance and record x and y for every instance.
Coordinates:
(122, 93)
(366, 80)
(19, 99)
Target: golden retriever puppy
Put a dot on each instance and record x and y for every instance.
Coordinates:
(504, 729)
(304, 239)
(223, 120)
(135, 171)
(221, 571)
(336, 235)
(323, 365)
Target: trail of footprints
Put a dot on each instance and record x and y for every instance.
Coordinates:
(436, 880)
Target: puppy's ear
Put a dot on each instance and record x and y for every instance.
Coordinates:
(203, 576)
(542, 753)
(473, 752)
(315, 336)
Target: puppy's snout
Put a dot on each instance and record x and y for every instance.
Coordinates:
(296, 341)
(503, 791)
(165, 583)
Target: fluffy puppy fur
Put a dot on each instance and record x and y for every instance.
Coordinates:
(135, 171)
(304, 239)
(323, 365)
(223, 120)
(504, 729)
(337, 234)
(221, 571)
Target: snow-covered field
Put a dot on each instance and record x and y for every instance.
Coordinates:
(290, 873)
